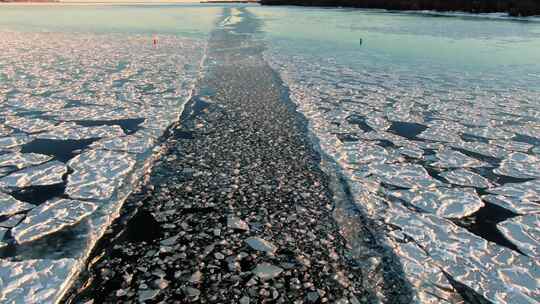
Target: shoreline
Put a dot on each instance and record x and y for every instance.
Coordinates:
(519, 8)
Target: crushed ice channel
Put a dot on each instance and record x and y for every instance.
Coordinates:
(80, 116)
(450, 172)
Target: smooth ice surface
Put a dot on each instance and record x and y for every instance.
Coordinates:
(97, 174)
(41, 175)
(50, 217)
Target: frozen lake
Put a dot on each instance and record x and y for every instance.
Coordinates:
(432, 120)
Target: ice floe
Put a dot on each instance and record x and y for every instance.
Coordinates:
(74, 132)
(520, 165)
(9, 205)
(448, 158)
(464, 177)
(22, 160)
(514, 204)
(97, 173)
(14, 140)
(524, 231)
(50, 217)
(404, 175)
(527, 191)
(34, 281)
(445, 202)
(41, 175)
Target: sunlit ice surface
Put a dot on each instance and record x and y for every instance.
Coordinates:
(85, 94)
(434, 121)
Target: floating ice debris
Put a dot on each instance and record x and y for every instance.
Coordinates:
(261, 245)
(42, 175)
(516, 205)
(75, 132)
(512, 145)
(528, 190)
(50, 217)
(536, 150)
(267, 271)
(22, 160)
(130, 143)
(9, 205)
(28, 125)
(235, 223)
(445, 202)
(97, 173)
(524, 231)
(464, 177)
(453, 159)
(13, 141)
(404, 175)
(2, 243)
(520, 165)
(34, 281)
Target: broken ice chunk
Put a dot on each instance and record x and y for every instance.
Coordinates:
(2, 244)
(9, 205)
(28, 125)
(50, 217)
(12, 221)
(466, 178)
(445, 202)
(519, 165)
(75, 132)
(404, 175)
(524, 231)
(528, 190)
(46, 174)
(22, 160)
(14, 140)
(516, 205)
(34, 281)
(5, 131)
(453, 159)
(412, 151)
(97, 173)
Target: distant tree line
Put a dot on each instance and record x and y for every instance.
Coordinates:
(512, 7)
